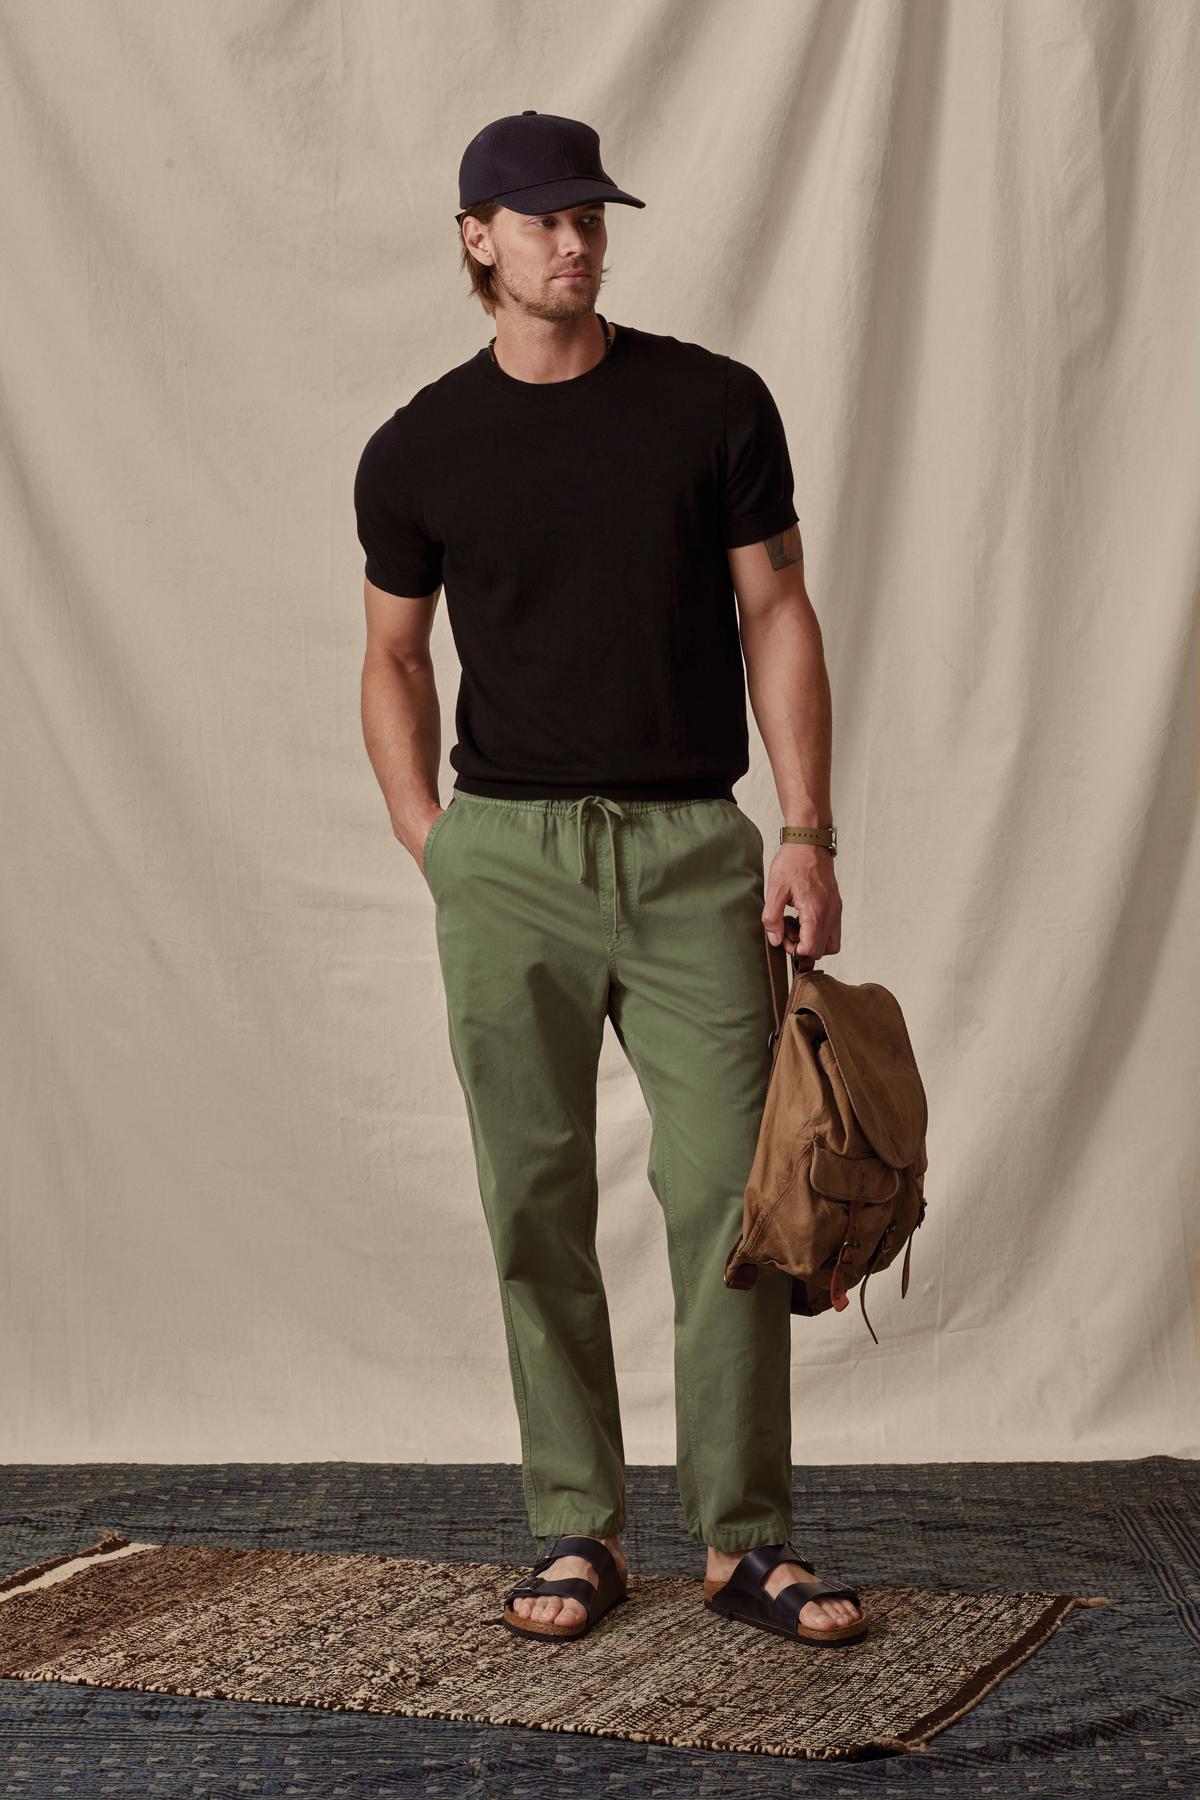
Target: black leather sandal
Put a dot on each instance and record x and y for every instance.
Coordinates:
(744, 1597)
(597, 1599)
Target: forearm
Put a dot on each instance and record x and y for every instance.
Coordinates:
(402, 728)
(788, 687)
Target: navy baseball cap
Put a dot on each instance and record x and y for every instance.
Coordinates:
(535, 162)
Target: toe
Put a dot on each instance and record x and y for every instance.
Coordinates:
(826, 1615)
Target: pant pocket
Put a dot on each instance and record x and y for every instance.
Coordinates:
(744, 823)
(752, 828)
(431, 836)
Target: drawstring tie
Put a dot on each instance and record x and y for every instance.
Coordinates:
(608, 807)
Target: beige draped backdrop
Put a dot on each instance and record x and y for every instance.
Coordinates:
(959, 240)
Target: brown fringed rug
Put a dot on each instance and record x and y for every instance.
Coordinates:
(386, 1635)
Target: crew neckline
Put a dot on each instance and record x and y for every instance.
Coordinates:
(535, 390)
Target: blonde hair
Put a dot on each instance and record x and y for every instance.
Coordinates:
(482, 275)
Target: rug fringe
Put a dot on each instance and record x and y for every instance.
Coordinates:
(112, 1540)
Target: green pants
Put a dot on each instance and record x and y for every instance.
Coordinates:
(551, 917)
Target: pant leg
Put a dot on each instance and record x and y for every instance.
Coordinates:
(691, 1004)
(526, 978)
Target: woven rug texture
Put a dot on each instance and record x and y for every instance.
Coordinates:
(380, 1634)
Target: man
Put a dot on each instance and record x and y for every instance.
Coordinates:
(603, 505)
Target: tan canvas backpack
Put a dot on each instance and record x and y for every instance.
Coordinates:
(836, 1188)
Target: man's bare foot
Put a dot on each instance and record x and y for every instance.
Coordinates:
(821, 1615)
(544, 1608)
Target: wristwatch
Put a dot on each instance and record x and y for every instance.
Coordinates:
(810, 834)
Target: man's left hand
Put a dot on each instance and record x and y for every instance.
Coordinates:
(801, 875)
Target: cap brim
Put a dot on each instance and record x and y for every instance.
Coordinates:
(551, 196)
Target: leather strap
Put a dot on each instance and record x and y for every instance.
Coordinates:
(576, 1587)
(778, 959)
(825, 835)
(747, 1581)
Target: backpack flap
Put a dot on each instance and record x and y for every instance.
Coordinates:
(868, 1036)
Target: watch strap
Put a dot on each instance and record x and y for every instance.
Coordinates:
(825, 835)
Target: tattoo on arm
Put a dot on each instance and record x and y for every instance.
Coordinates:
(784, 547)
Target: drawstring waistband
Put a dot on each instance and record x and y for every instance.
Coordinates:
(609, 807)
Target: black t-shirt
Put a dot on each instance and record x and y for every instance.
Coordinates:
(580, 529)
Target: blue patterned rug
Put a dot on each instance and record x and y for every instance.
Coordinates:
(1107, 1703)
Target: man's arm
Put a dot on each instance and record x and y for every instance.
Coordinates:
(788, 688)
(401, 713)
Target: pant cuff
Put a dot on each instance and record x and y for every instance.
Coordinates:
(735, 1539)
(597, 1528)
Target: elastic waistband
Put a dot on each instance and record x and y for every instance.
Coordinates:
(622, 807)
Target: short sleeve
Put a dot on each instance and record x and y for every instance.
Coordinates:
(758, 499)
(402, 556)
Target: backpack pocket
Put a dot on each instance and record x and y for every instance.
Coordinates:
(851, 1177)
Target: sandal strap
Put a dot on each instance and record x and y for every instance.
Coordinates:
(549, 1554)
(577, 1587)
(790, 1601)
(754, 1567)
(750, 1575)
(591, 1549)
